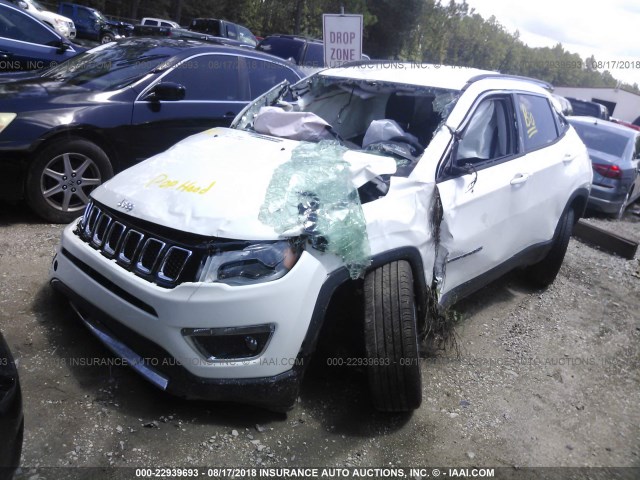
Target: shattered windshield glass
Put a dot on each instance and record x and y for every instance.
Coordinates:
(312, 194)
(386, 118)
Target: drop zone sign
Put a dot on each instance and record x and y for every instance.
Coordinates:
(342, 36)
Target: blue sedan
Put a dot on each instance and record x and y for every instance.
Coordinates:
(66, 130)
(615, 152)
(28, 44)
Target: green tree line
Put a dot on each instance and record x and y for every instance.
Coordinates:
(415, 30)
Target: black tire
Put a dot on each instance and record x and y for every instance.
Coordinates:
(106, 38)
(62, 176)
(543, 273)
(391, 338)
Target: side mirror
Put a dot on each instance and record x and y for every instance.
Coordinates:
(168, 91)
(23, 5)
(62, 47)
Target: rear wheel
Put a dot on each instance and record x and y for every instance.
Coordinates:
(620, 213)
(546, 270)
(62, 177)
(391, 338)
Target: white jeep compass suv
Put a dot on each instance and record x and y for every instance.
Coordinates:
(209, 267)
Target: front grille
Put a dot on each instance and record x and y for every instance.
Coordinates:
(137, 248)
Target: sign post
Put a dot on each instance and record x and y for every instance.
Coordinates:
(342, 37)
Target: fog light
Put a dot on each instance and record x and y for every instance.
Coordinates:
(230, 343)
(251, 343)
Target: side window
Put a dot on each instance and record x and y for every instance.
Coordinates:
(165, 24)
(536, 121)
(245, 36)
(490, 134)
(265, 75)
(19, 26)
(231, 31)
(84, 15)
(67, 11)
(314, 56)
(210, 77)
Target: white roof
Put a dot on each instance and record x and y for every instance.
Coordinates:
(419, 74)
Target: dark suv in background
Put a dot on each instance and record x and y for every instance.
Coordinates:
(584, 108)
(91, 24)
(302, 51)
(223, 28)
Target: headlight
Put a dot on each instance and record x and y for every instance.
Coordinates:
(5, 120)
(257, 263)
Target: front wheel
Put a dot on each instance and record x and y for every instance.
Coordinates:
(62, 177)
(391, 338)
(543, 273)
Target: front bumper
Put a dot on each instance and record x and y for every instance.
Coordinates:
(157, 366)
(149, 321)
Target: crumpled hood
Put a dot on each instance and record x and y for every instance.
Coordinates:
(214, 183)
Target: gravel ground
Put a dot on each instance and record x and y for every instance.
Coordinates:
(540, 378)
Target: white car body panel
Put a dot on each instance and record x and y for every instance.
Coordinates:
(201, 184)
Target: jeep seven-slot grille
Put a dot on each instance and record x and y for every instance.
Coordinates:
(137, 248)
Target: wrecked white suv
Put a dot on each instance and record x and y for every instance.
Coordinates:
(210, 267)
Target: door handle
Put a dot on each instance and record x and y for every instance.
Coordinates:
(4, 55)
(230, 115)
(568, 157)
(520, 178)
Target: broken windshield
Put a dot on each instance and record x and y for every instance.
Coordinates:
(387, 118)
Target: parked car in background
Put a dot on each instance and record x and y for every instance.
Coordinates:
(223, 28)
(588, 109)
(11, 416)
(63, 25)
(158, 22)
(183, 33)
(615, 153)
(91, 24)
(427, 183)
(28, 44)
(64, 132)
(302, 51)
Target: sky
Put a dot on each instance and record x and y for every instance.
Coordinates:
(608, 30)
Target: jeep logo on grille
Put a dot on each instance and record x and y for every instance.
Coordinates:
(128, 206)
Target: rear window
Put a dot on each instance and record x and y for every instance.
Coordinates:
(601, 140)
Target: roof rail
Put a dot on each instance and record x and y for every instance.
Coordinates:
(540, 83)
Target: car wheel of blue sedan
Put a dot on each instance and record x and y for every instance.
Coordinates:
(620, 213)
(62, 177)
